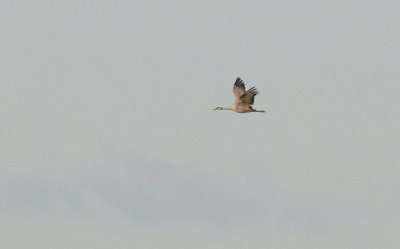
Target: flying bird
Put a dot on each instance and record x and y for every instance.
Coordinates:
(243, 99)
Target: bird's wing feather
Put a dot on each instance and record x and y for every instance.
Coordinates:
(238, 89)
(248, 96)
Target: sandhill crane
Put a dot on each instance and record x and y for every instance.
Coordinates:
(243, 99)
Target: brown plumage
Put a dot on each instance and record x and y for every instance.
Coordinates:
(243, 99)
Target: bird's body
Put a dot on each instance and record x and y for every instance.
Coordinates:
(243, 99)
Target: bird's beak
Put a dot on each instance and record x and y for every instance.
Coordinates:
(215, 108)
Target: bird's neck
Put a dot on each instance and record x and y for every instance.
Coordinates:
(230, 108)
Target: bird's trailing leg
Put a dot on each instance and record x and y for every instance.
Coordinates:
(254, 110)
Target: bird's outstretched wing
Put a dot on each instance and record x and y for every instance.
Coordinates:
(248, 96)
(238, 89)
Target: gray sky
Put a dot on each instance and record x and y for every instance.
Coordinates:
(108, 139)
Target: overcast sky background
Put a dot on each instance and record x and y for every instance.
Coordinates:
(108, 138)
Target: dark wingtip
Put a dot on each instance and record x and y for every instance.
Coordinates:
(239, 82)
(253, 90)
